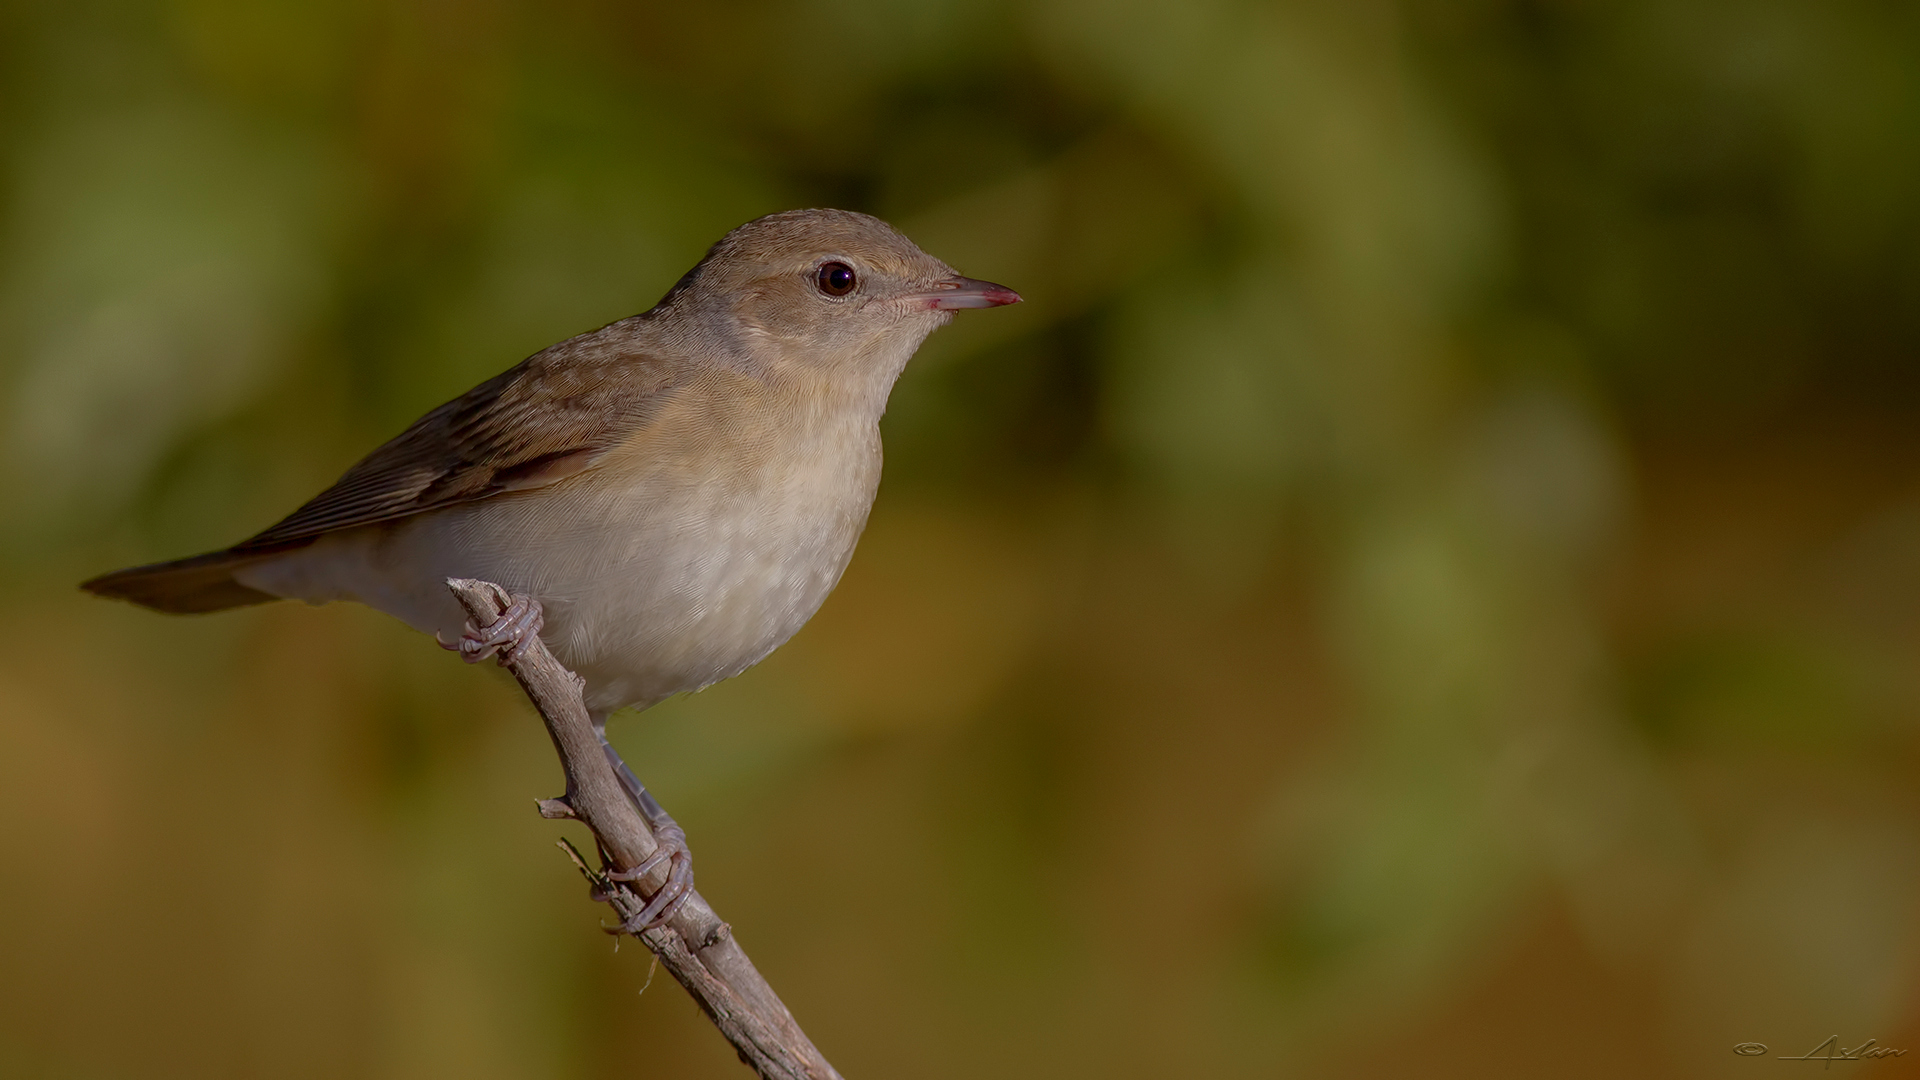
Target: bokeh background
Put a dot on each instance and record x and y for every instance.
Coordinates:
(1428, 584)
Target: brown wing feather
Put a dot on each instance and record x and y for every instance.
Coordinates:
(547, 418)
(550, 417)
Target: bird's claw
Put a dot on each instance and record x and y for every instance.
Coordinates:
(504, 637)
(674, 892)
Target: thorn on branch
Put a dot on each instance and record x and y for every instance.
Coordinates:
(599, 880)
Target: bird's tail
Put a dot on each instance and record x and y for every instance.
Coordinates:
(185, 586)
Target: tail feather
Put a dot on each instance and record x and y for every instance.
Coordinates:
(185, 586)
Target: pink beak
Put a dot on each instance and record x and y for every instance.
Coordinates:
(965, 292)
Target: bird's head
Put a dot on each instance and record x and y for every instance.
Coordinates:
(831, 289)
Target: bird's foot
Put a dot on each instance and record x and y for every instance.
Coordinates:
(672, 893)
(504, 636)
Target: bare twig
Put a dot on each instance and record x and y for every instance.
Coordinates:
(696, 947)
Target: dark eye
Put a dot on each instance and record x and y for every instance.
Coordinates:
(836, 279)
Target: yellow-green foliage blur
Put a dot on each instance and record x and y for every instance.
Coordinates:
(1427, 585)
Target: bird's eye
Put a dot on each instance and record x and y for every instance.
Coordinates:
(836, 279)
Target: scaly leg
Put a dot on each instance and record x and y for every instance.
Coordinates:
(673, 846)
(504, 636)
(522, 620)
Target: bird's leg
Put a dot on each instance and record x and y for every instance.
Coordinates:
(670, 836)
(504, 636)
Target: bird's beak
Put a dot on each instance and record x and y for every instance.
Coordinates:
(965, 292)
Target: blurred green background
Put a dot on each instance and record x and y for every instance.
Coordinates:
(1428, 584)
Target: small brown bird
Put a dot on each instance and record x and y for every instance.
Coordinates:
(667, 499)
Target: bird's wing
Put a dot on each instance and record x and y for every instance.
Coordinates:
(551, 416)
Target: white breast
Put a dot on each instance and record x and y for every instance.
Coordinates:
(657, 577)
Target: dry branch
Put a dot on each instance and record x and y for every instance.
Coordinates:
(695, 946)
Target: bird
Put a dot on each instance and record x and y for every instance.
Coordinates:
(665, 500)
